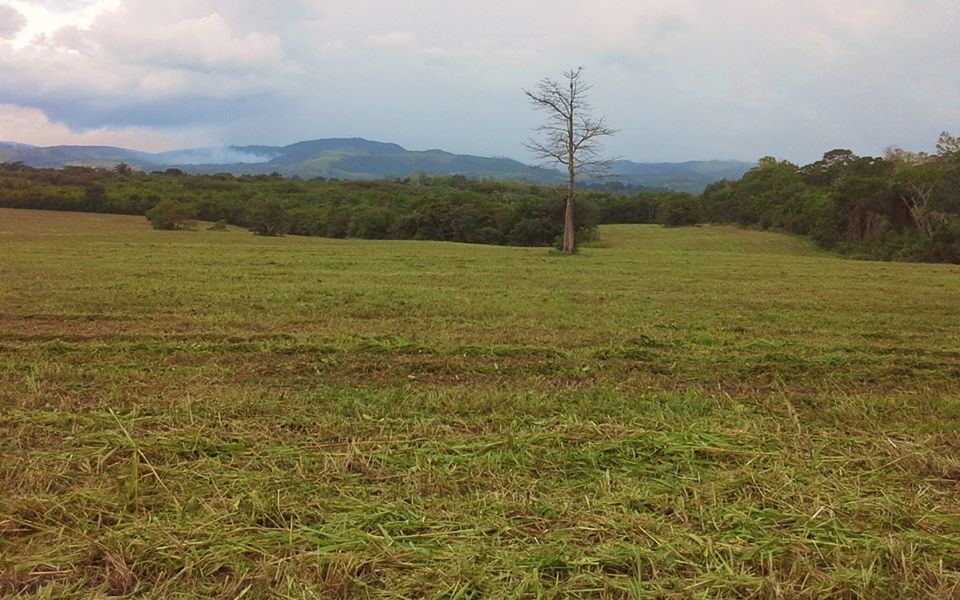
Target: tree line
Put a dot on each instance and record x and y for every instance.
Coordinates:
(902, 206)
(444, 208)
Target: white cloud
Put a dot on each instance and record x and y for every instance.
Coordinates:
(680, 78)
(32, 126)
(45, 17)
(11, 21)
(129, 65)
(206, 43)
(395, 39)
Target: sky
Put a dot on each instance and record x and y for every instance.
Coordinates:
(679, 79)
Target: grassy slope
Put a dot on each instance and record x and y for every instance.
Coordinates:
(702, 412)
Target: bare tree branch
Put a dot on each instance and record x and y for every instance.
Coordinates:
(570, 136)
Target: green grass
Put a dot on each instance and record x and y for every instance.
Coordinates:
(675, 413)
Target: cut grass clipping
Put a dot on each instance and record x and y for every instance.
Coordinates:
(679, 413)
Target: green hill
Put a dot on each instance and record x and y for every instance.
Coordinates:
(357, 158)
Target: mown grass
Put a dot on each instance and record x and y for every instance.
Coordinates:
(692, 413)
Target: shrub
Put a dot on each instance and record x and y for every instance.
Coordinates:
(680, 209)
(170, 214)
(267, 217)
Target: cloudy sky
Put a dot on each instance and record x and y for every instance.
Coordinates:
(680, 79)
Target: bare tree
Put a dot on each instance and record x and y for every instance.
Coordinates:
(918, 176)
(948, 146)
(570, 136)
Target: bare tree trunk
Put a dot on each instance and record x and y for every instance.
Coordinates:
(569, 227)
(571, 136)
(918, 202)
(569, 243)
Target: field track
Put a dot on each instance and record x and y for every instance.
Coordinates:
(702, 412)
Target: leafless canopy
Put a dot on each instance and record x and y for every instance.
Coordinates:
(570, 135)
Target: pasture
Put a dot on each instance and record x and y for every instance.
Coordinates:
(702, 412)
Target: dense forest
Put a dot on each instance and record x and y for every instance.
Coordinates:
(903, 206)
(446, 208)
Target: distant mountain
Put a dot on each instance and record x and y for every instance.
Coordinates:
(357, 158)
(61, 156)
(305, 151)
(691, 176)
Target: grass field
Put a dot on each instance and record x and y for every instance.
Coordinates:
(676, 413)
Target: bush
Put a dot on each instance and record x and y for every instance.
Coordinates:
(681, 209)
(372, 223)
(487, 235)
(267, 217)
(530, 232)
(170, 214)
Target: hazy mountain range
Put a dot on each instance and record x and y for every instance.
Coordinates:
(356, 158)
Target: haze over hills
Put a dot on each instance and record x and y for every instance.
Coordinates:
(357, 158)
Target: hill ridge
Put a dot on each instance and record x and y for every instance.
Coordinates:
(361, 158)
